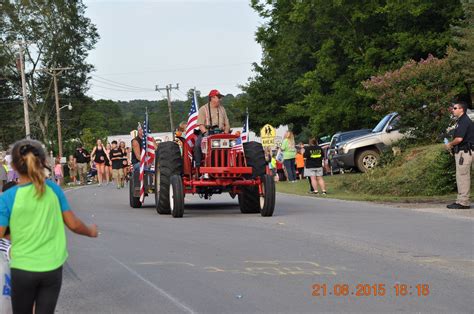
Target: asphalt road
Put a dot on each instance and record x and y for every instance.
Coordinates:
(217, 260)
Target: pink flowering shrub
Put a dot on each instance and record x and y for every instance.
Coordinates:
(421, 92)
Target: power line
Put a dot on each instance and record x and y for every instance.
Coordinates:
(183, 94)
(122, 90)
(183, 68)
(115, 83)
(97, 94)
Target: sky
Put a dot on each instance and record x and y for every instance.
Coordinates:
(203, 44)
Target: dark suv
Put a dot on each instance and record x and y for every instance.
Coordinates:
(337, 140)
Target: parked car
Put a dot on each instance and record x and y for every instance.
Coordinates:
(363, 152)
(337, 140)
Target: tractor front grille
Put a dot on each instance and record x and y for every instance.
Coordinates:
(226, 157)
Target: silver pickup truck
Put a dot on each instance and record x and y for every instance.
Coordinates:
(363, 152)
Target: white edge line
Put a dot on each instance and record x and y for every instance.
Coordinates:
(158, 289)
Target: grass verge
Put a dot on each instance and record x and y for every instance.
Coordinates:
(336, 188)
(420, 174)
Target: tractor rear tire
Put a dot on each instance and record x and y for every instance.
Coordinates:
(177, 196)
(168, 162)
(249, 200)
(255, 157)
(134, 201)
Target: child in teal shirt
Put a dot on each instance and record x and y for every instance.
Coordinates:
(36, 211)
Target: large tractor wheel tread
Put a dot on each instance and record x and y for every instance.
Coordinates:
(177, 196)
(255, 158)
(267, 206)
(249, 202)
(168, 162)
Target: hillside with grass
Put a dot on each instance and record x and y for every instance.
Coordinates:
(424, 173)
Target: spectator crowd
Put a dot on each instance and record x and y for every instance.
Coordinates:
(103, 165)
(291, 162)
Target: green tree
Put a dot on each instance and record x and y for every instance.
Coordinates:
(463, 57)
(317, 53)
(58, 35)
(91, 135)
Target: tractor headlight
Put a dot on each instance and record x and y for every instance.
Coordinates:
(232, 143)
(216, 143)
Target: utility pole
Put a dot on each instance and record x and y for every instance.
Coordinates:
(55, 72)
(23, 87)
(168, 89)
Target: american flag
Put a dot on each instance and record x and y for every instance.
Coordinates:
(244, 136)
(192, 122)
(147, 155)
(238, 147)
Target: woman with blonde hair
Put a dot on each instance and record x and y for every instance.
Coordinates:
(289, 154)
(36, 211)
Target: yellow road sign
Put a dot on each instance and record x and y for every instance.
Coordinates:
(267, 131)
(268, 142)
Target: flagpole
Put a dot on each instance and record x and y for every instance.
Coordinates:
(247, 123)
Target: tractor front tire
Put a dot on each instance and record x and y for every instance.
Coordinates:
(176, 196)
(267, 200)
(168, 162)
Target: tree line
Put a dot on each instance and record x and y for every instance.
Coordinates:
(58, 34)
(317, 55)
(327, 66)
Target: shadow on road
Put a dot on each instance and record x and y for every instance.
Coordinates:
(211, 206)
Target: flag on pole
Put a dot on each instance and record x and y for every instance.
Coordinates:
(192, 117)
(244, 136)
(192, 122)
(245, 130)
(147, 155)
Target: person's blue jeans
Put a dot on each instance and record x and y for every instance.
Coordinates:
(197, 150)
(136, 166)
(290, 169)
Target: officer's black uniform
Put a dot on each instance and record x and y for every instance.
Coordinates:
(465, 129)
(463, 155)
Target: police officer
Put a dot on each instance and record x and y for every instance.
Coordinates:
(463, 148)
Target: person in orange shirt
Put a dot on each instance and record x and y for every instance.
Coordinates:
(299, 159)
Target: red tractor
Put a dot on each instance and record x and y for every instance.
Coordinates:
(228, 166)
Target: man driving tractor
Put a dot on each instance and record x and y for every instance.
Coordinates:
(210, 116)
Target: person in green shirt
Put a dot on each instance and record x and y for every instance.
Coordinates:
(36, 211)
(289, 153)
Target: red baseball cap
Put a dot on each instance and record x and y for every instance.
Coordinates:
(215, 92)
